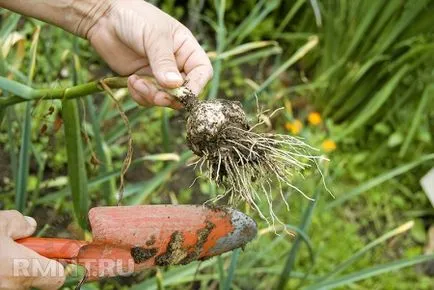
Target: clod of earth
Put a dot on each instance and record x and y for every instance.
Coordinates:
(207, 125)
(246, 163)
(202, 237)
(141, 255)
(177, 254)
(175, 251)
(223, 210)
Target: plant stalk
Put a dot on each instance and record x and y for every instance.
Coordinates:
(22, 93)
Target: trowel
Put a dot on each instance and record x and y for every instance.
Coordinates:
(128, 239)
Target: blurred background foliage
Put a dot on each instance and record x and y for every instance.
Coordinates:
(356, 80)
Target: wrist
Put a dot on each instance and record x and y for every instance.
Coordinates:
(75, 16)
(87, 13)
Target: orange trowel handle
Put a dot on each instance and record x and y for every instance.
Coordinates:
(53, 248)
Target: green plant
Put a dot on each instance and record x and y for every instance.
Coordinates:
(365, 67)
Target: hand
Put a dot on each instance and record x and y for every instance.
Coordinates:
(21, 268)
(134, 37)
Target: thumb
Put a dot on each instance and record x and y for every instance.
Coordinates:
(27, 269)
(53, 278)
(16, 226)
(162, 60)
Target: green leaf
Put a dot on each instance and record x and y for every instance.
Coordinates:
(99, 180)
(220, 6)
(305, 238)
(316, 12)
(292, 255)
(254, 56)
(231, 271)
(120, 129)
(345, 100)
(294, 9)
(158, 179)
(255, 20)
(246, 47)
(2, 115)
(16, 88)
(371, 272)
(254, 13)
(8, 25)
(33, 54)
(165, 130)
(26, 134)
(406, 20)
(379, 180)
(378, 31)
(24, 160)
(108, 188)
(417, 116)
(373, 10)
(348, 262)
(76, 161)
(375, 103)
(221, 272)
(176, 276)
(395, 139)
(300, 53)
(12, 144)
(266, 251)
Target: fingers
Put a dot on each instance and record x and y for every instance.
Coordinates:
(55, 277)
(189, 57)
(198, 78)
(16, 226)
(22, 268)
(159, 49)
(193, 60)
(121, 57)
(146, 94)
(28, 269)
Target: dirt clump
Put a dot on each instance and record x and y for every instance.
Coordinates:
(202, 237)
(175, 251)
(246, 163)
(141, 255)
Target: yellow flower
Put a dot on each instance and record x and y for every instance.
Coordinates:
(294, 127)
(314, 118)
(328, 145)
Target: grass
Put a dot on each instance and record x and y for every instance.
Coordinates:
(365, 67)
(24, 155)
(76, 161)
(373, 271)
(347, 263)
(292, 254)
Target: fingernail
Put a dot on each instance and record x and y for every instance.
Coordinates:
(173, 77)
(141, 87)
(31, 221)
(133, 78)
